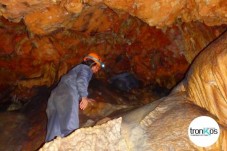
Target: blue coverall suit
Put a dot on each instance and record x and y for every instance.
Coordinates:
(63, 104)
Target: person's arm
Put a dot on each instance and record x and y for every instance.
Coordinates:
(82, 82)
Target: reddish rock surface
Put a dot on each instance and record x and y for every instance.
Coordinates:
(40, 40)
(126, 43)
(155, 13)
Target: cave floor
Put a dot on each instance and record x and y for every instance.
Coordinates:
(25, 129)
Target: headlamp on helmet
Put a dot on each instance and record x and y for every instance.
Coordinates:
(96, 59)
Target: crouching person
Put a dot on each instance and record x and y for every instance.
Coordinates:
(70, 95)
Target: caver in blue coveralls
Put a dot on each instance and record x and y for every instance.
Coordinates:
(63, 104)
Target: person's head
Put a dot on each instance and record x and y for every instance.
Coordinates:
(94, 62)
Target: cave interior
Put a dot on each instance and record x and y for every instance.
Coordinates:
(153, 43)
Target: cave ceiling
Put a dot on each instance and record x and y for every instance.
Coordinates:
(41, 40)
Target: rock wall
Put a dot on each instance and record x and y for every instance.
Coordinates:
(50, 37)
(155, 56)
(103, 137)
(165, 127)
(60, 12)
(163, 124)
(206, 82)
(170, 11)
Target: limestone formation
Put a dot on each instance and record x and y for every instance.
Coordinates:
(206, 82)
(164, 128)
(102, 137)
(40, 40)
(57, 40)
(58, 12)
(163, 124)
(170, 11)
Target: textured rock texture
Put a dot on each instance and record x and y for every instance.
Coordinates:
(103, 137)
(16, 10)
(207, 81)
(163, 124)
(212, 12)
(42, 39)
(155, 56)
(164, 128)
(53, 36)
(169, 11)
